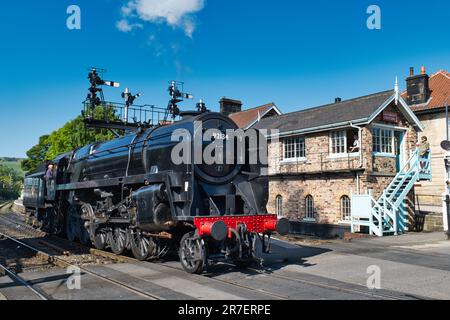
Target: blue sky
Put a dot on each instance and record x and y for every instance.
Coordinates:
(296, 53)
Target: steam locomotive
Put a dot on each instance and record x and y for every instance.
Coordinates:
(127, 194)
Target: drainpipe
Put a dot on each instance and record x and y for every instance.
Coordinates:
(358, 184)
(446, 117)
(360, 142)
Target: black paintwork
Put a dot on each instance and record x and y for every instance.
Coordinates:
(138, 165)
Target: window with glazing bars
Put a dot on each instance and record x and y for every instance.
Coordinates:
(338, 142)
(382, 140)
(279, 206)
(345, 208)
(309, 205)
(294, 148)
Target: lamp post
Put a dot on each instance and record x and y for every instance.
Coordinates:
(446, 197)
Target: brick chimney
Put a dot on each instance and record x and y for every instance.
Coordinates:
(417, 87)
(229, 106)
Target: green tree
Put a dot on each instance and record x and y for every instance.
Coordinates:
(36, 155)
(71, 136)
(10, 183)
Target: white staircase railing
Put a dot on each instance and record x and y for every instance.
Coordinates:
(387, 216)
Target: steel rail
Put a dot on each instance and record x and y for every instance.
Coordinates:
(64, 263)
(65, 252)
(262, 272)
(333, 287)
(42, 295)
(115, 257)
(262, 291)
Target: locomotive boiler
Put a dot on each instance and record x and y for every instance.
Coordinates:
(130, 194)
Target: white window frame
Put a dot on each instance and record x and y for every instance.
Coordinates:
(292, 142)
(310, 214)
(332, 140)
(346, 216)
(378, 140)
(279, 206)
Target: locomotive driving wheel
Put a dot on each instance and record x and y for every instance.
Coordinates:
(87, 224)
(100, 240)
(118, 240)
(142, 247)
(192, 253)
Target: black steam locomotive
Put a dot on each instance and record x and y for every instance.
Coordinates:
(127, 194)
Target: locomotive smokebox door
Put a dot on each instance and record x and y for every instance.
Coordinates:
(153, 211)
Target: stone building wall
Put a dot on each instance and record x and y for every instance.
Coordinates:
(430, 193)
(326, 192)
(318, 157)
(327, 179)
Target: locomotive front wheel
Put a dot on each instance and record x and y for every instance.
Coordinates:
(141, 246)
(118, 241)
(192, 253)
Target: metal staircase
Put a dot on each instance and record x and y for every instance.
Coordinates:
(388, 215)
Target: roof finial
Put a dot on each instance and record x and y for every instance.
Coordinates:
(397, 92)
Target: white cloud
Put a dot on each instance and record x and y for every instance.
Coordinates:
(124, 26)
(176, 13)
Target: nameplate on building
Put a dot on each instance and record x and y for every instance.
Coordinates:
(390, 117)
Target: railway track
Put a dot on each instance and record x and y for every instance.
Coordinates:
(269, 274)
(266, 273)
(61, 257)
(381, 296)
(62, 262)
(18, 279)
(17, 224)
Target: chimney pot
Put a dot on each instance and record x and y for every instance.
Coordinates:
(411, 71)
(229, 106)
(417, 88)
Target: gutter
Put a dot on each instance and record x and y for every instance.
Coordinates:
(429, 111)
(319, 128)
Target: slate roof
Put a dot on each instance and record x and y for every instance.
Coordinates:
(353, 110)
